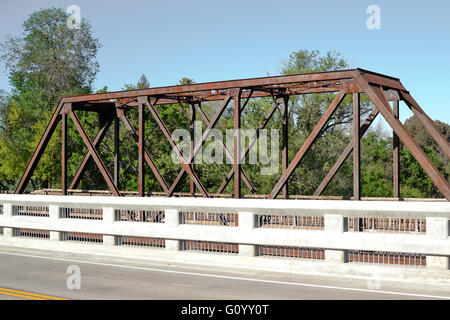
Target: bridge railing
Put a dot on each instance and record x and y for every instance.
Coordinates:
(382, 238)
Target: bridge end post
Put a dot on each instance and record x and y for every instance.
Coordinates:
(437, 229)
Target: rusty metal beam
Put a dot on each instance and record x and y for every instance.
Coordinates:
(199, 145)
(147, 156)
(284, 141)
(356, 148)
(396, 156)
(237, 143)
(249, 146)
(192, 119)
(116, 151)
(103, 129)
(64, 154)
(376, 95)
(309, 141)
(49, 130)
(220, 85)
(141, 139)
(348, 149)
(185, 164)
(228, 153)
(94, 154)
(426, 121)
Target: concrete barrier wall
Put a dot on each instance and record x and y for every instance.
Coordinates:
(334, 237)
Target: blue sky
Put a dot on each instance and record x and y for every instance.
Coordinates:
(220, 40)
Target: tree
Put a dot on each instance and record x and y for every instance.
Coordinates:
(305, 112)
(143, 82)
(47, 61)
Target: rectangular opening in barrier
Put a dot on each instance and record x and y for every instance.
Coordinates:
(30, 211)
(31, 233)
(132, 241)
(213, 219)
(1, 209)
(387, 224)
(81, 213)
(209, 246)
(1, 231)
(290, 222)
(387, 258)
(291, 252)
(82, 237)
(155, 216)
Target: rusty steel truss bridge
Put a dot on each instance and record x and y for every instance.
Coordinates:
(112, 109)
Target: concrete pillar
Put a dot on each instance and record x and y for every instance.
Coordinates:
(435, 262)
(8, 232)
(437, 229)
(55, 236)
(247, 222)
(336, 224)
(109, 218)
(7, 210)
(172, 219)
(109, 240)
(53, 213)
(7, 213)
(108, 215)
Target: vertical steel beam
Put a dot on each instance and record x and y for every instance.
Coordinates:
(284, 151)
(183, 160)
(356, 148)
(191, 129)
(101, 166)
(307, 144)
(116, 151)
(396, 155)
(64, 154)
(141, 130)
(348, 149)
(237, 143)
(148, 159)
(97, 140)
(229, 155)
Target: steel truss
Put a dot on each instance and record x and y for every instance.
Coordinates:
(112, 107)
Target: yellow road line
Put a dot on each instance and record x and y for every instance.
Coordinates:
(20, 295)
(29, 295)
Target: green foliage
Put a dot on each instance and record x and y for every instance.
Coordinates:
(46, 62)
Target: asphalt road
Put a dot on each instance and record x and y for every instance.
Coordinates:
(34, 274)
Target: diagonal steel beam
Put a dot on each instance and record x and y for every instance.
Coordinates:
(184, 163)
(148, 159)
(97, 140)
(348, 149)
(49, 130)
(429, 124)
(307, 144)
(94, 154)
(227, 151)
(212, 123)
(249, 146)
(376, 95)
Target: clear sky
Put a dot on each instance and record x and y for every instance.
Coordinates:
(221, 40)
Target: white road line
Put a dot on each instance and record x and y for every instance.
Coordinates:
(233, 278)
